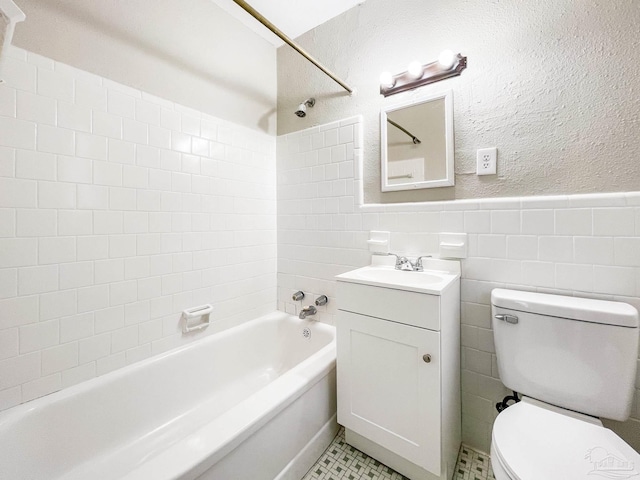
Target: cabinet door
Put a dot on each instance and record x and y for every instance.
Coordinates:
(386, 391)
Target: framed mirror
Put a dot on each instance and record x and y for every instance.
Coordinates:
(417, 144)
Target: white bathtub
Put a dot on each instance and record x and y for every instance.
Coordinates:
(253, 402)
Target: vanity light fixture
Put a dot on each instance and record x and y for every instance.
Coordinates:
(415, 70)
(387, 80)
(446, 59)
(448, 65)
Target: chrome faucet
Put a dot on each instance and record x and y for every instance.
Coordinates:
(403, 263)
(306, 311)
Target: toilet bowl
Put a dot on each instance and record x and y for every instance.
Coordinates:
(532, 440)
(573, 360)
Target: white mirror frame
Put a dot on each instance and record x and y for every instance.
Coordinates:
(449, 179)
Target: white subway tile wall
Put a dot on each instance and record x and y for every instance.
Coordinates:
(117, 211)
(583, 245)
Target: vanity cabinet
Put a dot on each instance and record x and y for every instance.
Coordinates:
(399, 375)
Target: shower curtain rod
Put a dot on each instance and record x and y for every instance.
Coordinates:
(259, 17)
(414, 139)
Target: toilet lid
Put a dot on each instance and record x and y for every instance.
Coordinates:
(533, 442)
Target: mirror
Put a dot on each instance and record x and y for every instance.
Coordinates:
(417, 144)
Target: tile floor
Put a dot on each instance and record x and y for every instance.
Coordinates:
(341, 461)
(472, 465)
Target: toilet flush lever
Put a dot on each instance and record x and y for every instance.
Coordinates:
(507, 318)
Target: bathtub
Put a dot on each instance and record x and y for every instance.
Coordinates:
(253, 402)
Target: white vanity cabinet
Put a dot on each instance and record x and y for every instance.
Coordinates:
(399, 370)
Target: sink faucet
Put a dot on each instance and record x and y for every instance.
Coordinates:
(306, 311)
(403, 263)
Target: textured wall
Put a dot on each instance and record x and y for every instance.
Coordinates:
(581, 245)
(192, 53)
(118, 210)
(552, 84)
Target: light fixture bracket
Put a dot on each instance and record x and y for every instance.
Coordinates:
(431, 73)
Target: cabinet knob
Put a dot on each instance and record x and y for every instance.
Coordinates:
(427, 358)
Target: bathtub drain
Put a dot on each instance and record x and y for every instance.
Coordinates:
(306, 333)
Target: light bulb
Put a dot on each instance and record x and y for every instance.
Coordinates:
(415, 69)
(446, 59)
(386, 80)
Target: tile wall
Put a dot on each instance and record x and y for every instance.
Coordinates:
(117, 211)
(583, 245)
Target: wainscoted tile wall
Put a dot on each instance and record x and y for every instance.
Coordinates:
(582, 245)
(117, 211)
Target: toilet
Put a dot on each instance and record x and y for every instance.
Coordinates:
(573, 361)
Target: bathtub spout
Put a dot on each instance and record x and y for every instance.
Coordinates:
(306, 311)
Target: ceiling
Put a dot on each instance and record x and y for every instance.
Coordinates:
(293, 17)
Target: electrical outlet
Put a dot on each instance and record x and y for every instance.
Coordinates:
(486, 161)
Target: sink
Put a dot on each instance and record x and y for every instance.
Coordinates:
(428, 281)
(387, 275)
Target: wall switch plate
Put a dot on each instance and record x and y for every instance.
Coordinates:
(486, 160)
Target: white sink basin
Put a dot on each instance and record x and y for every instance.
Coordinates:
(384, 274)
(428, 281)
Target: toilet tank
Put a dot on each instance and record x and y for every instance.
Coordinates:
(576, 353)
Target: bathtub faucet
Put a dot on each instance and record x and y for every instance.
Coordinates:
(306, 311)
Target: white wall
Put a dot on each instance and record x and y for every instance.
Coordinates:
(192, 53)
(117, 211)
(583, 245)
(551, 83)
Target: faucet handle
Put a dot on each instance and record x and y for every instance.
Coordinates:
(395, 255)
(321, 300)
(399, 260)
(418, 265)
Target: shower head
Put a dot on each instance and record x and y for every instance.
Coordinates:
(302, 108)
